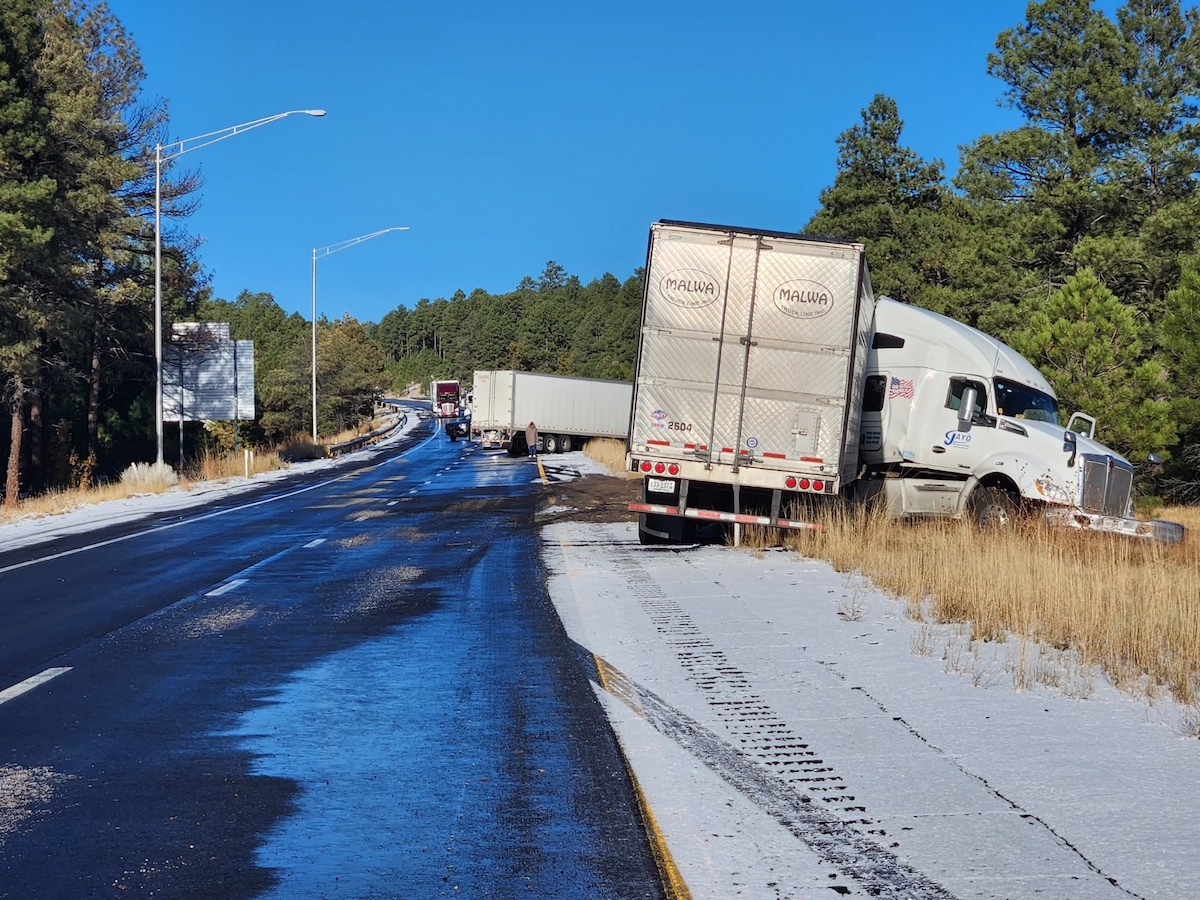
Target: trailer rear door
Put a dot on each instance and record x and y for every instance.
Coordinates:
(751, 346)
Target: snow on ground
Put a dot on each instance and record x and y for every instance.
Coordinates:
(795, 733)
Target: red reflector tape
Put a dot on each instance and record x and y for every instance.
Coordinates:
(774, 456)
(816, 459)
(714, 516)
(808, 526)
(660, 443)
(654, 508)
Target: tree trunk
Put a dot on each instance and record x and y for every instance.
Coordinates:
(37, 442)
(12, 484)
(93, 404)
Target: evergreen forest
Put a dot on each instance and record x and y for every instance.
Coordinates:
(1074, 237)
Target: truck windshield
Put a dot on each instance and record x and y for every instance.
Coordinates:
(1018, 401)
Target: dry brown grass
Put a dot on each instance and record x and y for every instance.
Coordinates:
(375, 424)
(1130, 607)
(139, 478)
(142, 478)
(215, 466)
(610, 454)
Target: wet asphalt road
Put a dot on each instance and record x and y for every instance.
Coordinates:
(347, 686)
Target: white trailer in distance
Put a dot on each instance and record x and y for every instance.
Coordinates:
(566, 411)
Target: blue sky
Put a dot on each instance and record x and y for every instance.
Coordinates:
(506, 135)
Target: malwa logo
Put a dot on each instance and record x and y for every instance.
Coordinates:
(803, 299)
(689, 288)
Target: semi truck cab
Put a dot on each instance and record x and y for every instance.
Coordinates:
(957, 423)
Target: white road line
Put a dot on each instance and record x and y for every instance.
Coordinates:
(30, 683)
(155, 530)
(212, 515)
(227, 587)
(318, 542)
(393, 502)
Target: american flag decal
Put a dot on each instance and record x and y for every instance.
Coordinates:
(900, 388)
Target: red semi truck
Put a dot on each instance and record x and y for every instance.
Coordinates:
(445, 396)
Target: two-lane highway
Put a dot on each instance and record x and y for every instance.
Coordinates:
(354, 686)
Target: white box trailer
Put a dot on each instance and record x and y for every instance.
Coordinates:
(751, 362)
(567, 411)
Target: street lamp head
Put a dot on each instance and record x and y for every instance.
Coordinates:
(313, 112)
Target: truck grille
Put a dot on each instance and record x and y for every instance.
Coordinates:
(1106, 485)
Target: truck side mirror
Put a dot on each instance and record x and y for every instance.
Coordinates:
(1081, 423)
(1070, 446)
(1155, 459)
(966, 408)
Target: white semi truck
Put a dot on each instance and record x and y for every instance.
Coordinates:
(769, 376)
(566, 411)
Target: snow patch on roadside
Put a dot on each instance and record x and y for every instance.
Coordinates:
(737, 682)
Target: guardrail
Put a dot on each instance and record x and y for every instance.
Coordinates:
(366, 440)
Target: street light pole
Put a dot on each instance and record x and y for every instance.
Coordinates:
(321, 253)
(174, 149)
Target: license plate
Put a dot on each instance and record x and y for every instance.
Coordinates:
(660, 485)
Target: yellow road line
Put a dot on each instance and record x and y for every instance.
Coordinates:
(674, 887)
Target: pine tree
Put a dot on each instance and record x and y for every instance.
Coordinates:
(27, 195)
(1180, 343)
(887, 197)
(1088, 345)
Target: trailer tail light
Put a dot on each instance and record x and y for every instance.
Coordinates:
(672, 469)
(790, 481)
(659, 468)
(818, 485)
(804, 484)
(645, 466)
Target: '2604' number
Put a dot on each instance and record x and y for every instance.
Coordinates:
(679, 426)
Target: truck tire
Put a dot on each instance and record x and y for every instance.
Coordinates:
(992, 507)
(566, 443)
(550, 442)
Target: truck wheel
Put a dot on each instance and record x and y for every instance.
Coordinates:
(992, 507)
(550, 442)
(566, 443)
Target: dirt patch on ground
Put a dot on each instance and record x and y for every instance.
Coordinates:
(594, 498)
